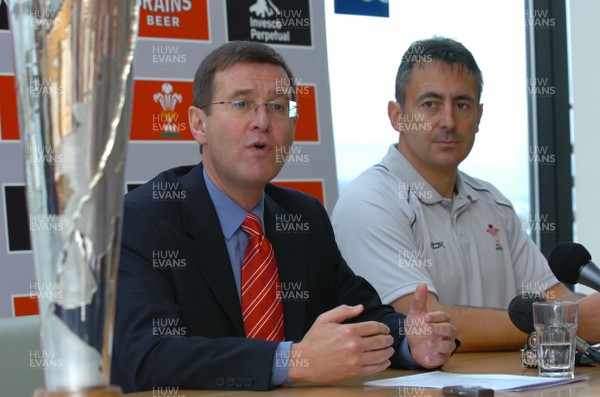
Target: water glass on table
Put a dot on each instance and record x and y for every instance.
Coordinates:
(556, 326)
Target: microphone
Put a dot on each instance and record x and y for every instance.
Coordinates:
(520, 311)
(571, 263)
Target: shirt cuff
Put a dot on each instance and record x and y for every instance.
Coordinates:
(281, 364)
(405, 358)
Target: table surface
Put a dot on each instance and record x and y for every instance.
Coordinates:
(468, 363)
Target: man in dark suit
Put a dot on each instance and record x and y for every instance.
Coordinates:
(182, 313)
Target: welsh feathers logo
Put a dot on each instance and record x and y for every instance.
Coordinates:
(168, 100)
(160, 110)
(494, 232)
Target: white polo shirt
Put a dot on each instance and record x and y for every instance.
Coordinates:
(396, 231)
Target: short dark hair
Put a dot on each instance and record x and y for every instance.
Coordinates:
(436, 48)
(227, 55)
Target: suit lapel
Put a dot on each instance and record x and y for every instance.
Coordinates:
(290, 251)
(209, 254)
(208, 250)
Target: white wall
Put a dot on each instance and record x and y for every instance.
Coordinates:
(585, 84)
(364, 54)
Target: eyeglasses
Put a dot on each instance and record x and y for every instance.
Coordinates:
(276, 109)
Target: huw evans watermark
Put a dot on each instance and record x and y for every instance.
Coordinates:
(413, 123)
(284, 86)
(540, 87)
(291, 223)
(291, 155)
(167, 191)
(541, 155)
(168, 54)
(46, 290)
(45, 223)
(167, 259)
(417, 189)
(538, 223)
(290, 359)
(415, 326)
(172, 391)
(539, 19)
(44, 154)
(416, 54)
(292, 19)
(44, 359)
(537, 289)
(292, 292)
(167, 327)
(413, 259)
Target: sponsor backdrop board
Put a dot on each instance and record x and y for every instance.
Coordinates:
(175, 35)
(374, 8)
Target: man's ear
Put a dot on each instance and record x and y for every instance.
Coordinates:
(197, 123)
(480, 113)
(394, 111)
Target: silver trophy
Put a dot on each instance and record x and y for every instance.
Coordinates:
(73, 61)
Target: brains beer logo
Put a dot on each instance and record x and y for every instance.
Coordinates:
(175, 19)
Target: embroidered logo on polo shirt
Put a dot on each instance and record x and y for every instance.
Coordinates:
(439, 244)
(493, 231)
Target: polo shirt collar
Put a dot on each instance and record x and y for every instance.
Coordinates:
(398, 165)
(463, 189)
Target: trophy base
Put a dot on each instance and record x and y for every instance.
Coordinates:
(109, 391)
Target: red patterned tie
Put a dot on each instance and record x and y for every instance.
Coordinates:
(261, 305)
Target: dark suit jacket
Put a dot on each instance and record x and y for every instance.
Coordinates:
(180, 324)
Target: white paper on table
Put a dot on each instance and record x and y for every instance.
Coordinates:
(438, 379)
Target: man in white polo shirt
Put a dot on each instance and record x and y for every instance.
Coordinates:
(415, 218)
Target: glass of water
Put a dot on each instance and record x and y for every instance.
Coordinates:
(556, 326)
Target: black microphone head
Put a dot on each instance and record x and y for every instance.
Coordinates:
(566, 260)
(520, 311)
